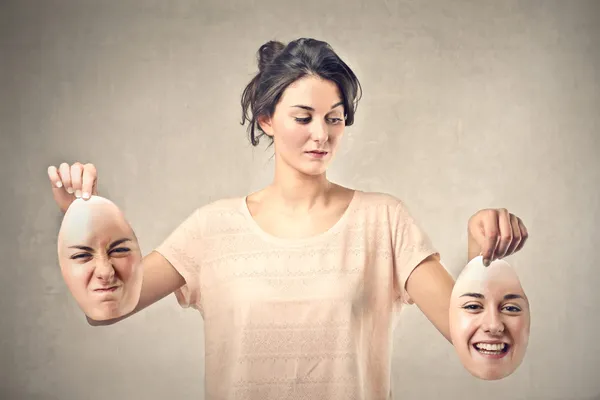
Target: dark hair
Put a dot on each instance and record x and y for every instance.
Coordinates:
(280, 65)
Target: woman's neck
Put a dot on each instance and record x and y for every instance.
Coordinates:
(297, 192)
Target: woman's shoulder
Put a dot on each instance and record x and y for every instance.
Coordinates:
(225, 204)
(216, 213)
(374, 198)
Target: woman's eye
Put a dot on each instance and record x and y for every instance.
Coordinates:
(121, 250)
(80, 256)
(472, 307)
(333, 121)
(512, 309)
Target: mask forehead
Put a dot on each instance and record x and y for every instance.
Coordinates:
(497, 278)
(86, 222)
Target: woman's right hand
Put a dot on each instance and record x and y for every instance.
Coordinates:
(72, 181)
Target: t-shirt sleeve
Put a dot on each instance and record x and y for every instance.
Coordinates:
(411, 246)
(182, 248)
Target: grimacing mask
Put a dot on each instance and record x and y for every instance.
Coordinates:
(100, 258)
(489, 319)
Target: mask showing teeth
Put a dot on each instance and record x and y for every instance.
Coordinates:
(491, 348)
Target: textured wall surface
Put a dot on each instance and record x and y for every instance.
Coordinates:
(467, 105)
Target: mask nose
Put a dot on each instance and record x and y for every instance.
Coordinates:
(492, 323)
(104, 270)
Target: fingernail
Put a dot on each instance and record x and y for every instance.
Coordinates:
(86, 195)
(486, 262)
(78, 193)
(59, 184)
(70, 190)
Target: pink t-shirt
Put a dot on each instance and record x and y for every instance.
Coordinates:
(298, 318)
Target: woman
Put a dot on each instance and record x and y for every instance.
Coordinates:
(299, 284)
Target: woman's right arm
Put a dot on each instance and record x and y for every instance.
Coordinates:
(160, 278)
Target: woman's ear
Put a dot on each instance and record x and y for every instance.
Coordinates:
(265, 124)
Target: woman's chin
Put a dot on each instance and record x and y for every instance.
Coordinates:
(490, 375)
(314, 170)
(103, 313)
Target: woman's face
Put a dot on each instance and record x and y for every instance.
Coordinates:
(489, 319)
(309, 117)
(100, 258)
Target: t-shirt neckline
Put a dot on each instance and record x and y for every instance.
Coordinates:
(300, 241)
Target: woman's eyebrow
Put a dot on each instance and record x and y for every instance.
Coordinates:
(85, 248)
(312, 109)
(477, 295)
(118, 242)
(512, 296)
(112, 245)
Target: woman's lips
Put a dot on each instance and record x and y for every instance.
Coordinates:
(108, 289)
(491, 350)
(317, 154)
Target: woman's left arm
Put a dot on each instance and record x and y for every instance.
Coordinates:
(493, 233)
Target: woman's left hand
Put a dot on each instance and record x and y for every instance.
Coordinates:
(496, 233)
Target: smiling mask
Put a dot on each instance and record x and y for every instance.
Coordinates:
(489, 319)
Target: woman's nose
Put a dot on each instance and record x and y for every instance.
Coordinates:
(492, 323)
(319, 132)
(104, 270)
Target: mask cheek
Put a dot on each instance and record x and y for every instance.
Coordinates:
(126, 267)
(464, 326)
(519, 330)
(77, 278)
(129, 271)
(456, 331)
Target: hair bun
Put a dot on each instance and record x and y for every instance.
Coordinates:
(268, 52)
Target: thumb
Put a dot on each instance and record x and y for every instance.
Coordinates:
(479, 242)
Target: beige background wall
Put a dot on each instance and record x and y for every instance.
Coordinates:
(467, 105)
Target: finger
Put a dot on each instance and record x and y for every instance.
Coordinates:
(524, 235)
(516, 236)
(76, 178)
(54, 177)
(95, 188)
(506, 233)
(65, 176)
(476, 231)
(494, 255)
(89, 180)
(61, 197)
(491, 234)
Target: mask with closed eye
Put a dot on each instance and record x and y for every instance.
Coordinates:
(100, 258)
